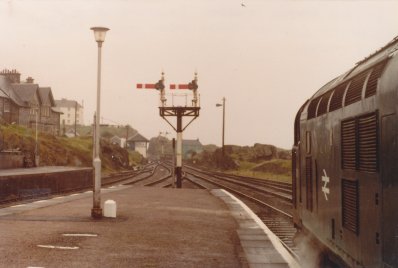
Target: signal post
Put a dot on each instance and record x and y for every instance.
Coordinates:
(179, 112)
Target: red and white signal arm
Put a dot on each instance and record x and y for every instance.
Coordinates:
(146, 86)
(179, 86)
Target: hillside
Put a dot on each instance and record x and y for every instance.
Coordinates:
(259, 160)
(107, 131)
(62, 151)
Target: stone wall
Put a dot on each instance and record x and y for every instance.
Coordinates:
(11, 160)
(40, 184)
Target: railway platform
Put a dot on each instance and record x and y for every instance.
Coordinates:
(154, 227)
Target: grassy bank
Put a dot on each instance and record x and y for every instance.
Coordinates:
(62, 151)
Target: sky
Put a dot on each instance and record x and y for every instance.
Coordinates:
(266, 57)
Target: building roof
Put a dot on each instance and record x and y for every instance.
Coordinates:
(25, 91)
(115, 138)
(7, 91)
(67, 103)
(138, 138)
(56, 110)
(46, 96)
(192, 142)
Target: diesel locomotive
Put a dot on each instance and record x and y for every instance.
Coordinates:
(345, 164)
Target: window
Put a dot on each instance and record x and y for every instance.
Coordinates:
(308, 180)
(1, 106)
(7, 105)
(308, 142)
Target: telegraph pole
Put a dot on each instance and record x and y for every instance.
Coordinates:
(75, 116)
(127, 135)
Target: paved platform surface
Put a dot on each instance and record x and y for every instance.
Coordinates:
(154, 228)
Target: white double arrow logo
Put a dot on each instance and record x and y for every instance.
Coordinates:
(325, 188)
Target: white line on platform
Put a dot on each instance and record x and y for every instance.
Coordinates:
(58, 197)
(56, 247)
(88, 192)
(41, 201)
(83, 235)
(16, 206)
(34, 267)
(73, 194)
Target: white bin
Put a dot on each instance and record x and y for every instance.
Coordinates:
(110, 209)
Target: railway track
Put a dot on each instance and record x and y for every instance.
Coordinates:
(259, 196)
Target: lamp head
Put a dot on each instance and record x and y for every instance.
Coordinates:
(99, 33)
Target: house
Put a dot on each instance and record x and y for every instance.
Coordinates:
(138, 143)
(118, 141)
(191, 147)
(11, 106)
(27, 104)
(72, 112)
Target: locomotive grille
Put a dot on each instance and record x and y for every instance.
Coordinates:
(348, 146)
(312, 108)
(371, 86)
(323, 105)
(350, 202)
(337, 98)
(367, 143)
(354, 91)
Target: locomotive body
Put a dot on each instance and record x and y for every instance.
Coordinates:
(345, 163)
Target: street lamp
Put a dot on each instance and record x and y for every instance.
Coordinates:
(223, 123)
(96, 211)
(37, 160)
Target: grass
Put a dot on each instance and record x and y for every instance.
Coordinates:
(263, 175)
(59, 151)
(276, 170)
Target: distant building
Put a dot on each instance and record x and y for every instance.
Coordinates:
(70, 133)
(138, 143)
(27, 104)
(118, 141)
(71, 110)
(191, 147)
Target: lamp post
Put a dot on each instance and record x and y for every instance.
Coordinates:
(223, 123)
(37, 160)
(96, 211)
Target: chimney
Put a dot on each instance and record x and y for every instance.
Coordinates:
(29, 80)
(13, 75)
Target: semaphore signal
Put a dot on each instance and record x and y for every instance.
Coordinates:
(179, 112)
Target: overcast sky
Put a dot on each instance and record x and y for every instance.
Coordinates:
(266, 58)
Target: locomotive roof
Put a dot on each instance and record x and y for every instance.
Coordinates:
(374, 58)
